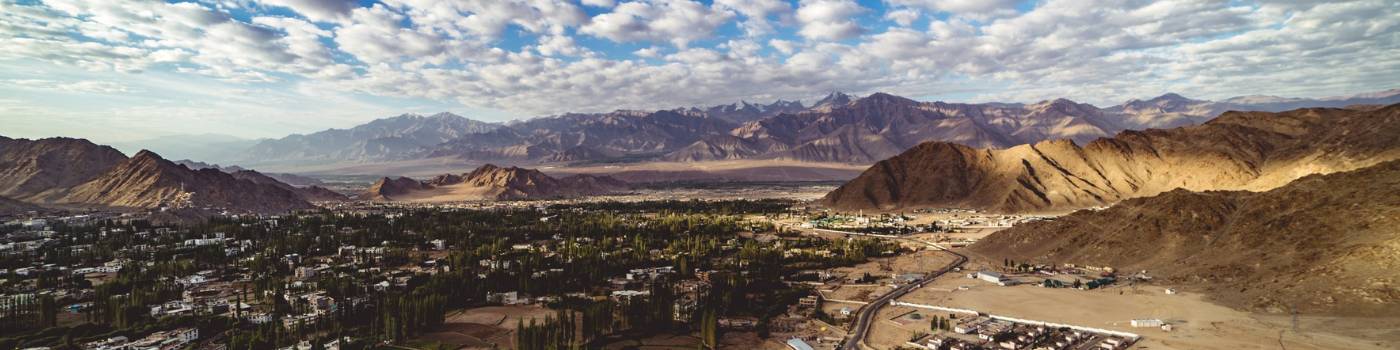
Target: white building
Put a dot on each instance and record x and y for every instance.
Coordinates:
(1143, 323)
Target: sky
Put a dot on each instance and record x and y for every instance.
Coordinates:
(119, 70)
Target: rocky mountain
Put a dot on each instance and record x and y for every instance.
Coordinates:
(1323, 243)
(309, 188)
(490, 182)
(744, 111)
(382, 139)
(1237, 151)
(587, 137)
(881, 125)
(309, 193)
(148, 181)
(65, 172)
(33, 167)
(832, 100)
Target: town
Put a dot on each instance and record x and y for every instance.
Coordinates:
(372, 275)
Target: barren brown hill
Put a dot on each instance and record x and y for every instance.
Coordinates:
(490, 182)
(1237, 151)
(63, 172)
(148, 181)
(310, 193)
(1323, 244)
(30, 168)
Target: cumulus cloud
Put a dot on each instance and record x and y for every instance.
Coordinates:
(318, 10)
(676, 21)
(977, 9)
(784, 46)
(903, 17)
(599, 3)
(559, 45)
(757, 12)
(647, 52)
(829, 19)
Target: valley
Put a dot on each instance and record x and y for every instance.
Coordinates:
(699, 175)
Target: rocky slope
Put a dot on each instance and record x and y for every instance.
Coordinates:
(1237, 151)
(148, 181)
(1323, 243)
(33, 167)
(63, 172)
(308, 188)
(309, 193)
(490, 182)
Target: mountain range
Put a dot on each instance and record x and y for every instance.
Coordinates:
(66, 172)
(838, 128)
(1320, 244)
(1237, 151)
(491, 182)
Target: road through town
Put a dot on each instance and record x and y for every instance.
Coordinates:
(864, 316)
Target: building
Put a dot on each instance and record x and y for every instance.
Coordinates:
(504, 298)
(798, 344)
(166, 340)
(908, 277)
(1143, 323)
(629, 295)
(993, 277)
(308, 272)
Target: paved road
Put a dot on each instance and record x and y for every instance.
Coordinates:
(865, 315)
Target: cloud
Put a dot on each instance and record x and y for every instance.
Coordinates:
(784, 46)
(647, 52)
(488, 20)
(756, 13)
(84, 86)
(530, 57)
(903, 17)
(318, 10)
(559, 45)
(975, 9)
(599, 3)
(676, 21)
(829, 19)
